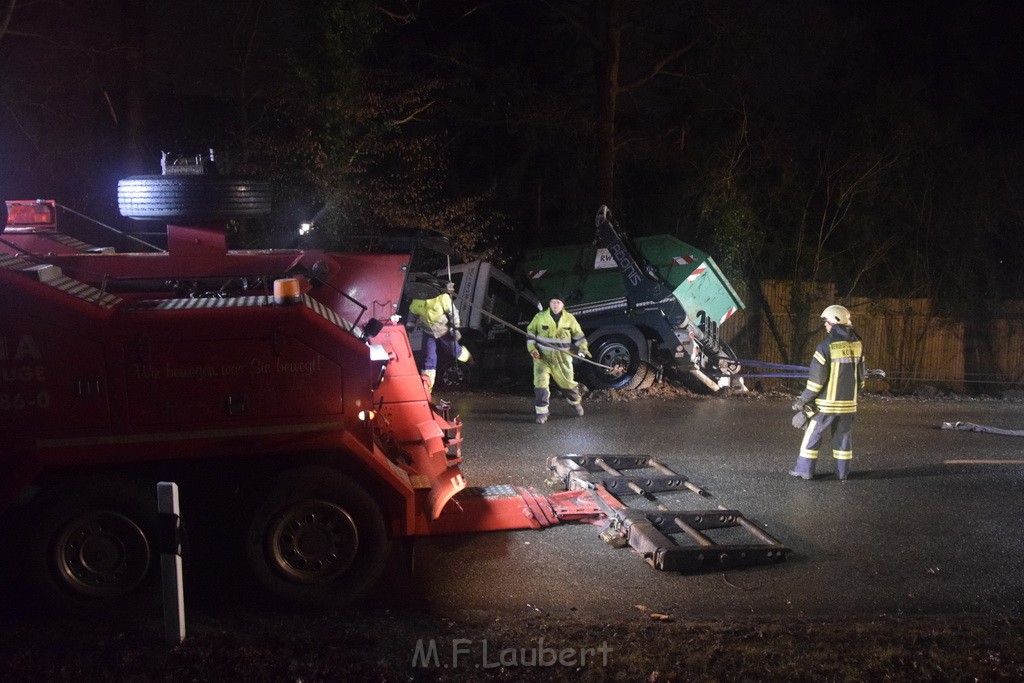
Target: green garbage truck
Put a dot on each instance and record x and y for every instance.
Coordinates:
(646, 305)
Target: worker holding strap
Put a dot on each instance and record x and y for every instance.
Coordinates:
(553, 332)
(439, 319)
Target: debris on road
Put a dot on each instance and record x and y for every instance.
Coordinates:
(971, 427)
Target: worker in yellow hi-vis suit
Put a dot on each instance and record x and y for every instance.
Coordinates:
(439, 319)
(552, 334)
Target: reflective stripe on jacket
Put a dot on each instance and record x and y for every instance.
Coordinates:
(433, 314)
(546, 336)
(837, 372)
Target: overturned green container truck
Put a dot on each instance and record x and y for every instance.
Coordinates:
(645, 304)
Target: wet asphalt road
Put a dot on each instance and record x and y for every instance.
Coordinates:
(908, 534)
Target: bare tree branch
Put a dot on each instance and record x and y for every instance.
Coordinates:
(678, 74)
(656, 68)
(403, 19)
(412, 116)
(622, 143)
(452, 60)
(873, 258)
(558, 7)
(17, 120)
(110, 107)
(5, 18)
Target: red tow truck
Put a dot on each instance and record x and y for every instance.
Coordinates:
(279, 392)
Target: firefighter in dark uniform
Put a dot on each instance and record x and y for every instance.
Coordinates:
(836, 376)
(552, 334)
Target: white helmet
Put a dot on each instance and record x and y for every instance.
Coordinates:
(836, 314)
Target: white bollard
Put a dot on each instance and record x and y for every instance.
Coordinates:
(170, 562)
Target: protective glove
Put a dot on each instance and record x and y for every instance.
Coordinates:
(535, 353)
(798, 405)
(457, 335)
(800, 420)
(585, 353)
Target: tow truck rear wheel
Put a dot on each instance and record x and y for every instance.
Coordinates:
(91, 545)
(316, 539)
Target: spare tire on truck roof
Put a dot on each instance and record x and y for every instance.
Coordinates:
(192, 199)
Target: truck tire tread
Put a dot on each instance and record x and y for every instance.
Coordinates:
(91, 503)
(192, 199)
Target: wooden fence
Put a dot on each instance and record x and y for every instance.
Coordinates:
(904, 337)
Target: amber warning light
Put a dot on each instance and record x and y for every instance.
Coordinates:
(287, 291)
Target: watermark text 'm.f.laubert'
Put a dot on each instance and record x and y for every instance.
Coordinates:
(480, 654)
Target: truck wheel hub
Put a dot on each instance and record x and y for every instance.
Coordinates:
(453, 376)
(615, 354)
(314, 541)
(103, 554)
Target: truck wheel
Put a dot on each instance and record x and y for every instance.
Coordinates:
(91, 545)
(316, 539)
(455, 375)
(187, 200)
(611, 350)
(643, 378)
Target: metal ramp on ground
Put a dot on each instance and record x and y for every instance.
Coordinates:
(667, 536)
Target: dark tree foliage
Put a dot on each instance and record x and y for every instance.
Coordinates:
(872, 146)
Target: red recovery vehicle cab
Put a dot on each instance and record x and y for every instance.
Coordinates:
(273, 387)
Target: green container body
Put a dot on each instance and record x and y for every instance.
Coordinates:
(586, 274)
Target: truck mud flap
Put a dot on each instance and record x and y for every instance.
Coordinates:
(668, 538)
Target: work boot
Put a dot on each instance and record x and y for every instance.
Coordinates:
(579, 409)
(542, 418)
(804, 468)
(842, 470)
